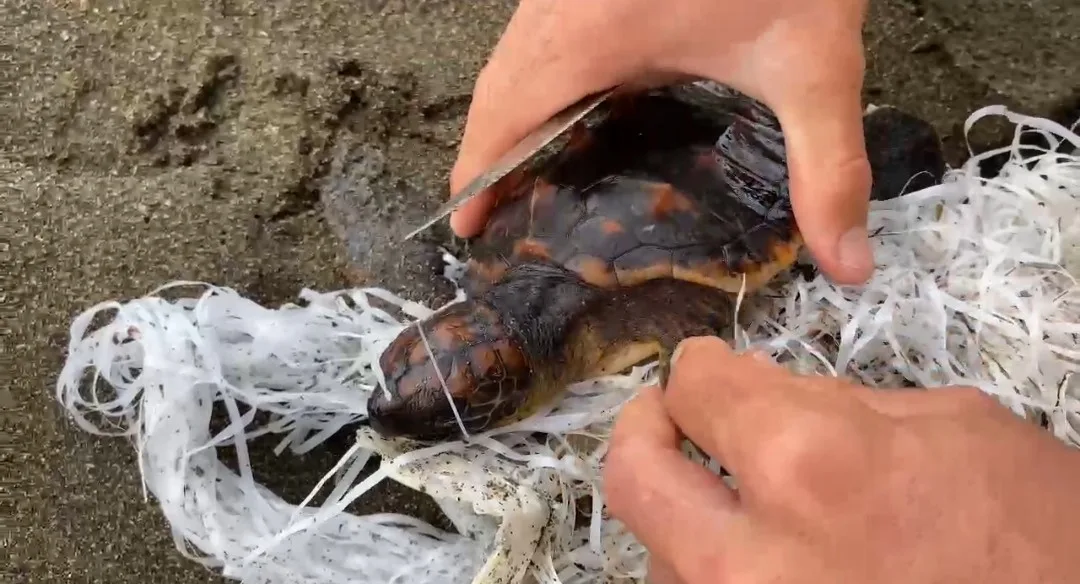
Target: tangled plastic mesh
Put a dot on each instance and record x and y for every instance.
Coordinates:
(976, 287)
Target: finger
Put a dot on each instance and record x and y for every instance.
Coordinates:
(740, 409)
(910, 402)
(677, 509)
(469, 219)
(821, 115)
(890, 401)
(524, 83)
(660, 572)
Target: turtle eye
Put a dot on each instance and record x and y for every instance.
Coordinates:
(461, 370)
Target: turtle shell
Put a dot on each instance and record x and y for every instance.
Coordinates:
(663, 187)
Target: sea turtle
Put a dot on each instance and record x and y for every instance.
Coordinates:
(637, 234)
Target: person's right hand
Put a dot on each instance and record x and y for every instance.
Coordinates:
(838, 482)
(802, 58)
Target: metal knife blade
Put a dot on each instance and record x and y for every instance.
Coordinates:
(521, 152)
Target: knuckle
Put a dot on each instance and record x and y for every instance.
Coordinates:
(810, 447)
(785, 457)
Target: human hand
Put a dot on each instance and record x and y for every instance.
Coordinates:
(838, 482)
(802, 59)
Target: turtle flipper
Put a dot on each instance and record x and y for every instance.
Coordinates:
(664, 366)
(627, 326)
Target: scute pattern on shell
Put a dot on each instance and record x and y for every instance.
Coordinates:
(661, 188)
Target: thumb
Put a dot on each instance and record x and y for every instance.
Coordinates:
(524, 84)
(820, 111)
(501, 115)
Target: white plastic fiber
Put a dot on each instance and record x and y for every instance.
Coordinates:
(976, 286)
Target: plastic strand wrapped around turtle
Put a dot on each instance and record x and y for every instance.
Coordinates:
(639, 233)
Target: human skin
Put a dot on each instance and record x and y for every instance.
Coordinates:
(838, 482)
(804, 59)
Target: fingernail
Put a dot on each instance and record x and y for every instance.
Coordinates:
(854, 250)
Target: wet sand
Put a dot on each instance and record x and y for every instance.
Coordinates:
(150, 142)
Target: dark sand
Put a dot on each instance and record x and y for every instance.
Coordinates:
(152, 141)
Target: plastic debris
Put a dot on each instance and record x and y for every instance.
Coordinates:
(977, 286)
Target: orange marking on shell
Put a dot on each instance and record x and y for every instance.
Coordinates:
(785, 252)
(594, 271)
(530, 248)
(634, 276)
(713, 273)
(611, 227)
(666, 201)
(488, 272)
(717, 274)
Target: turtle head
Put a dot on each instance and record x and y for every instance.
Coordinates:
(470, 372)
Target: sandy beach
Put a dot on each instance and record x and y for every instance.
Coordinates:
(151, 142)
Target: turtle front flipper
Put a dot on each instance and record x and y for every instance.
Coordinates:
(664, 365)
(634, 324)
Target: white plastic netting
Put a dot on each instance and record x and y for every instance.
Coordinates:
(976, 286)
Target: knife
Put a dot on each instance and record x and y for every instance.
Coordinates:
(526, 148)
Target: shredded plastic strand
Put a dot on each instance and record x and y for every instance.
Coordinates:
(976, 286)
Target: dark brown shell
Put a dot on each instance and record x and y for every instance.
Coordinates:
(673, 187)
(663, 187)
